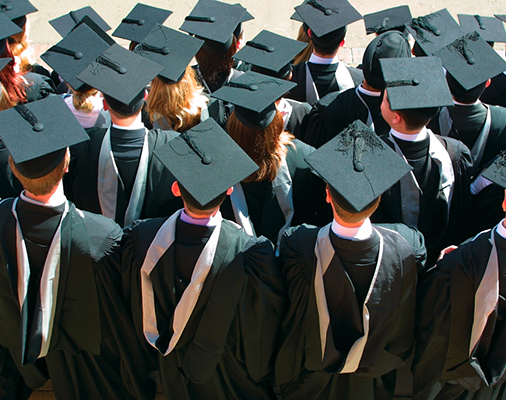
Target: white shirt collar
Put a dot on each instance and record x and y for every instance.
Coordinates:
(410, 138)
(363, 232)
(468, 105)
(368, 92)
(501, 230)
(213, 221)
(57, 199)
(137, 124)
(320, 60)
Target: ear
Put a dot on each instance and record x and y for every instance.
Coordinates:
(397, 118)
(106, 106)
(504, 202)
(328, 199)
(175, 189)
(230, 190)
(342, 43)
(309, 33)
(489, 81)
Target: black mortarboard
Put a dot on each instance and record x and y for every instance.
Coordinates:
(390, 44)
(253, 95)
(37, 135)
(86, 20)
(471, 61)
(139, 22)
(206, 161)
(501, 17)
(496, 172)
(14, 9)
(358, 165)
(270, 54)
(215, 22)
(64, 24)
(434, 31)
(74, 53)
(120, 75)
(172, 49)
(246, 17)
(326, 16)
(414, 83)
(489, 28)
(385, 20)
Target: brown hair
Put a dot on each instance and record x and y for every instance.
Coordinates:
(266, 147)
(211, 64)
(12, 81)
(305, 54)
(174, 101)
(348, 217)
(82, 101)
(193, 205)
(43, 185)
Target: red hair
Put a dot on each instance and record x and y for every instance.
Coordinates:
(11, 80)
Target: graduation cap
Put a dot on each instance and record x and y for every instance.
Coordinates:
(385, 20)
(16, 10)
(489, 28)
(206, 161)
(358, 165)
(4, 62)
(246, 17)
(496, 172)
(86, 20)
(121, 76)
(325, 18)
(37, 135)
(270, 54)
(215, 22)
(501, 17)
(471, 61)
(172, 49)
(390, 44)
(434, 31)
(7, 29)
(64, 24)
(253, 95)
(74, 53)
(414, 83)
(140, 21)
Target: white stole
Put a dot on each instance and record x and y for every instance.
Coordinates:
(343, 78)
(369, 122)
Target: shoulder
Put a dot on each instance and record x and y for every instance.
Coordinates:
(498, 115)
(458, 151)
(301, 106)
(159, 137)
(356, 74)
(297, 240)
(295, 154)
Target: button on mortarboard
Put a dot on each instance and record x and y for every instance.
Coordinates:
(64, 24)
(413, 83)
(489, 28)
(358, 165)
(38, 133)
(140, 21)
(385, 20)
(172, 49)
(206, 161)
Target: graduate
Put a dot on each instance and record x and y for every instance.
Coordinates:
(206, 297)
(351, 284)
(336, 111)
(59, 309)
(113, 174)
(283, 192)
(271, 54)
(325, 23)
(435, 197)
(461, 313)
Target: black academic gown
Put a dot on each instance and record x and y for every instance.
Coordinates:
(334, 112)
(81, 182)
(443, 368)
(297, 115)
(227, 345)
(37, 86)
(495, 94)
(323, 76)
(308, 194)
(439, 228)
(299, 368)
(91, 332)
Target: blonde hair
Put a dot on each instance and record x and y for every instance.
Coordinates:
(267, 147)
(304, 55)
(173, 101)
(82, 100)
(43, 185)
(5, 100)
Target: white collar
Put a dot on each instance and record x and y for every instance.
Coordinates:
(320, 60)
(213, 221)
(418, 137)
(501, 230)
(362, 232)
(137, 124)
(467, 105)
(57, 199)
(368, 92)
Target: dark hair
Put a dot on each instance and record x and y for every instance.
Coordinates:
(462, 95)
(211, 64)
(342, 207)
(417, 118)
(327, 45)
(194, 206)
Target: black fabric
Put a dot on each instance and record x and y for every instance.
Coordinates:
(299, 368)
(299, 112)
(37, 86)
(9, 184)
(495, 94)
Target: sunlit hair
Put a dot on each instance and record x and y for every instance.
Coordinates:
(12, 81)
(82, 101)
(18, 44)
(43, 185)
(305, 54)
(174, 101)
(267, 147)
(211, 64)
(349, 217)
